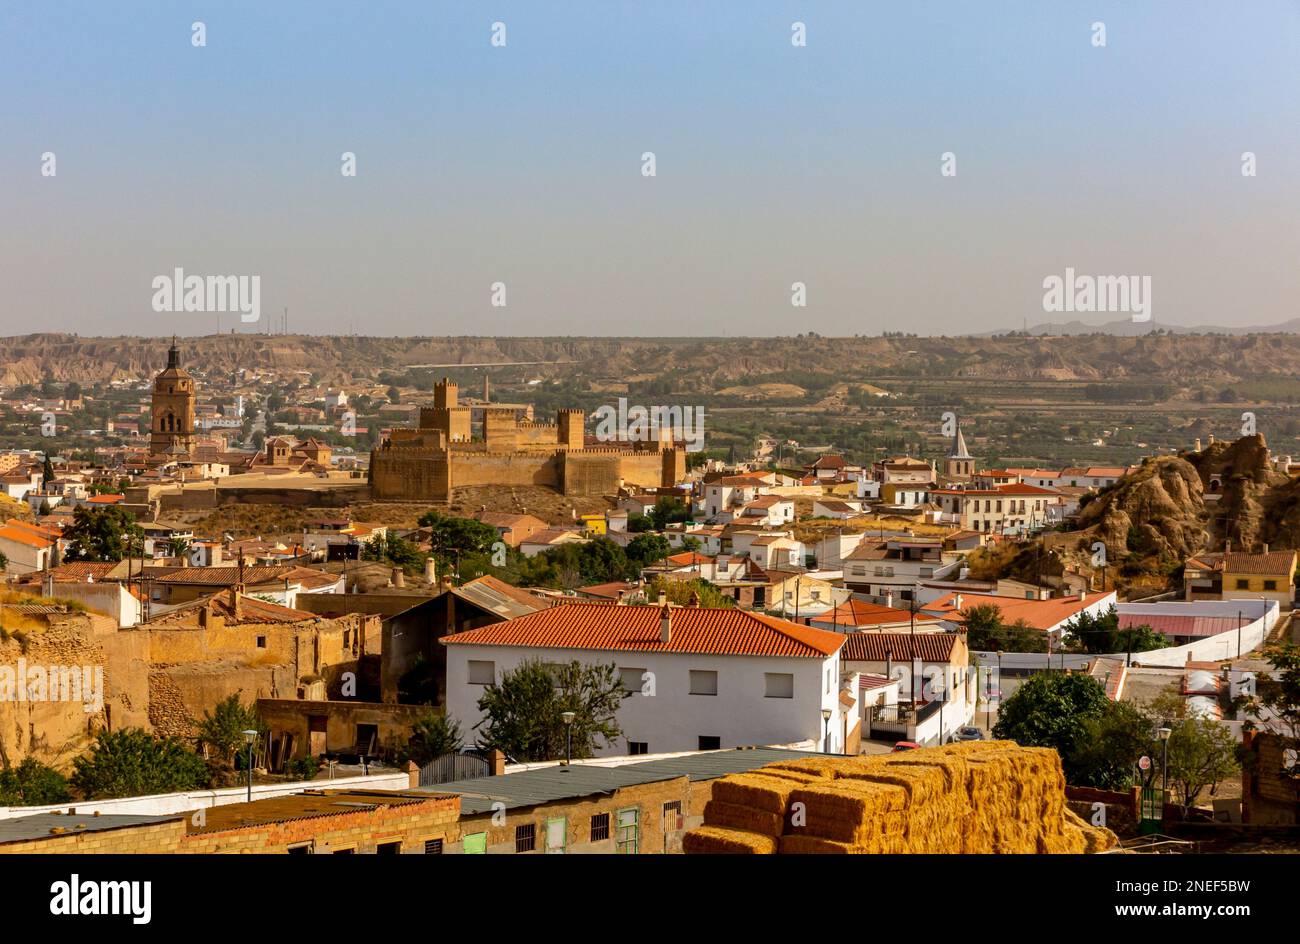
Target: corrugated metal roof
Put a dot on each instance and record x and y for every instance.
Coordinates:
(39, 826)
(499, 597)
(552, 784)
(878, 647)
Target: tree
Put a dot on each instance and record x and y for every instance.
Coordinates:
(1276, 697)
(32, 783)
(222, 730)
(1052, 711)
(523, 711)
(47, 474)
(1104, 757)
(646, 549)
(680, 591)
(394, 550)
(433, 735)
(102, 534)
(132, 762)
(1202, 751)
(986, 631)
(1100, 633)
(465, 535)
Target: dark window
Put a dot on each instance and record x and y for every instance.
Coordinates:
(1243, 584)
(345, 852)
(599, 827)
(261, 642)
(1270, 584)
(304, 849)
(638, 747)
(433, 847)
(388, 848)
(525, 838)
(710, 743)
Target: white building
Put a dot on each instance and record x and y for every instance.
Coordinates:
(701, 678)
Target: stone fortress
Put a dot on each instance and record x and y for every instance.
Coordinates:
(426, 462)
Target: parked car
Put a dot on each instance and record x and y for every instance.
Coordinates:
(967, 733)
(906, 746)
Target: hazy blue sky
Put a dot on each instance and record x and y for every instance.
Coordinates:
(522, 164)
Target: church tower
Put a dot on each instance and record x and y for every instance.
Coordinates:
(171, 427)
(959, 465)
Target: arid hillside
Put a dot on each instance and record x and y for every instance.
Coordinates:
(695, 363)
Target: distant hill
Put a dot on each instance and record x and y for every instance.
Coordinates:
(1128, 328)
(812, 363)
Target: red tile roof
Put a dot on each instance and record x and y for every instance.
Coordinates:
(879, 647)
(1276, 562)
(636, 628)
(857, 613)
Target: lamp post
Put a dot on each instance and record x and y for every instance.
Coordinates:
(1164, 733)
(250, 736)
(826, 733)
(567, 717)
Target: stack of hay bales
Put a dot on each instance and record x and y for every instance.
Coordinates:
(973, 797)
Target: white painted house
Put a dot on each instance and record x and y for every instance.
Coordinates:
(702, 678)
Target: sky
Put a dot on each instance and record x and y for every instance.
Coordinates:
(522, 164)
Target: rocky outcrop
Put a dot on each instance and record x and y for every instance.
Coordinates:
(1157, 510)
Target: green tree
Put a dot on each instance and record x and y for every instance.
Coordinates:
(32, 783)
(1052, 711)
(1100, 633)
(102, 534)
(47, 474)
(646, 549)
(1276, 695)
(986, 631)
(394, 550)
(449, 533)
(221, 730)
(523, 713)
(132, 762)
(433, 735)
(680, 591)
(1111, 744)
(1202, 751)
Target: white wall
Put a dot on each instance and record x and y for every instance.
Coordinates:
(672, 719)
(1263, 617)
(161, 804)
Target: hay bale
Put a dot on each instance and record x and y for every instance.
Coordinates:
(756, 791)
(714, 840)
(748, 819)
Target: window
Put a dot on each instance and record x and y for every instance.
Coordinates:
(303, 848)
(632, 679)
(349, 851)
(710, 743)
(388, 848)
(638, 747)
(482, 673)
(599, 827)
(475, 844)
(525, 837)
(704, 682)
(1270, 584)
(829, 679)
(778, 685)
(433, 847)
(1243, 584)
(628, 832)
(261, 642)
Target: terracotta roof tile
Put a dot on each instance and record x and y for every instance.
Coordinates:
(636, 628)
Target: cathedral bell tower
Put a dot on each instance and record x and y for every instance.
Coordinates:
(171, 427)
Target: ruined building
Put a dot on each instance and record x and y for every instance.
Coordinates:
(425, 463)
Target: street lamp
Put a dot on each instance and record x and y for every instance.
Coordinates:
(567, 717)
(826, 734)
(250, 736)
(1164, 733)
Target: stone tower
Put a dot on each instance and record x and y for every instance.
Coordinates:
(171, 426)
(958, 465)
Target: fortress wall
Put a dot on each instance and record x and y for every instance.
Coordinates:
(538, 434)
(410, 475)
(487, 468)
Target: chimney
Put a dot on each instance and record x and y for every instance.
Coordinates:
(694, 600)
(1227, 546)
(446, 582)
(1082, 594)
(430, 571)
(498, 761)
(663, 598)
(889, 599)
(956, 602)
(665, 624)
(412, 775)
(1265, 547)
(399, 578)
